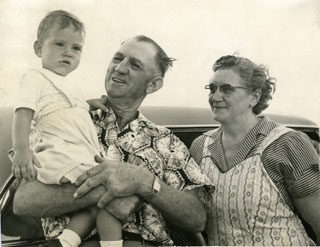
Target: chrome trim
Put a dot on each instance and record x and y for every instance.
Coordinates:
(6, 185)
(217, 125)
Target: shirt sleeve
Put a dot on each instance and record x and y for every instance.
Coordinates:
(29, 90)
(300, 164)
(182, 171)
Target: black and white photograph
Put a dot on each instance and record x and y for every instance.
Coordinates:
(159, 123)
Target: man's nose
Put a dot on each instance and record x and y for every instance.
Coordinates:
(122, 67)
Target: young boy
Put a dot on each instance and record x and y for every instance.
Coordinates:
(63, 137)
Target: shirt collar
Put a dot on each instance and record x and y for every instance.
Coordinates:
(52, 76)
(134, 125)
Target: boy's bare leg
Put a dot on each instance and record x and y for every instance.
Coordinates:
(79, 227)
(83, 221)
(109, 228)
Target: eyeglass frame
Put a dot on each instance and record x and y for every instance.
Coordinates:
(219, 87)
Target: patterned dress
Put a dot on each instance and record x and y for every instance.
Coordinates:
(247, 207)
(152, 147)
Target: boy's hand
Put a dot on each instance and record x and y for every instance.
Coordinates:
(96, 104)
(22, 164)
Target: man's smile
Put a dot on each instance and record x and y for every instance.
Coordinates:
(118, 80)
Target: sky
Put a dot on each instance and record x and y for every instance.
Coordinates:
(282, 34)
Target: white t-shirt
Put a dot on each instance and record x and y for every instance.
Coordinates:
(63, 136)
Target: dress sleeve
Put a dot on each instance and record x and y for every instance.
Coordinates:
(29, 90)
(300, 164)
(196, 148)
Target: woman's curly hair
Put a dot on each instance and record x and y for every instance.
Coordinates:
(254, 77)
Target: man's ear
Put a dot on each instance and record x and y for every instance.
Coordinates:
(154, 85)
(37, 48)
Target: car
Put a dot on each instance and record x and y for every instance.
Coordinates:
(187, 123)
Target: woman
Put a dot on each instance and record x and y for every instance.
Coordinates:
(264, 173)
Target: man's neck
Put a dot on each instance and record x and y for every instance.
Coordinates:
(124, 110)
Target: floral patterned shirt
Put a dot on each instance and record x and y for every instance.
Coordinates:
(153, 147)
(157, 149)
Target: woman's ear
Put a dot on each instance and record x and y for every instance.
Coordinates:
(256, 95)
(154, 85)
(37, 48)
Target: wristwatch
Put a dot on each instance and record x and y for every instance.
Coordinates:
(156, 186)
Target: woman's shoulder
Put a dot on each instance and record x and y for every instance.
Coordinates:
(209, 134)
(294, 138)
(197, 145)
(199, 141)
(293, 147)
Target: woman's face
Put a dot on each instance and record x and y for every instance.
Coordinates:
(229, 99)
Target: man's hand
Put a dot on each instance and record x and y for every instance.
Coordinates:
(123, 207)
(119, 178)
(23, 162)
(96, 104)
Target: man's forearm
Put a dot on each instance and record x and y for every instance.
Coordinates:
(182, 209)
(43, 200)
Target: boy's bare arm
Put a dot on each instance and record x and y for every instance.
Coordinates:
(22, 161)
(96, 104)
(21, 127)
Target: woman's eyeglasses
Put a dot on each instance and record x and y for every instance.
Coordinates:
(225, 89)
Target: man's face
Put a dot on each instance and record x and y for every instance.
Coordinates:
(130, 70)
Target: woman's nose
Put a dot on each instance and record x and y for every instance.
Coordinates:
(217, 95)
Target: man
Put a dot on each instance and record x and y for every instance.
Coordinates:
(149, 163)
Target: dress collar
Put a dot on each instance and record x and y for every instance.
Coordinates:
(262, 128)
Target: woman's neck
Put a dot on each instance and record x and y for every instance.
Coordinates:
(124, 110)
(238, 129)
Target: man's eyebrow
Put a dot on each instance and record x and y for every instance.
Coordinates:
(118, 54)
(132, 59)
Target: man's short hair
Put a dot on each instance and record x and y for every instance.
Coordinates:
(162, 59)
(60, 17)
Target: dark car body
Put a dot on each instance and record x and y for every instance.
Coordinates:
(186, 123)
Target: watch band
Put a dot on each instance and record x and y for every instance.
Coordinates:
(156, 186)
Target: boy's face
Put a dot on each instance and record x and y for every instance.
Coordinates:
(60, 49)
